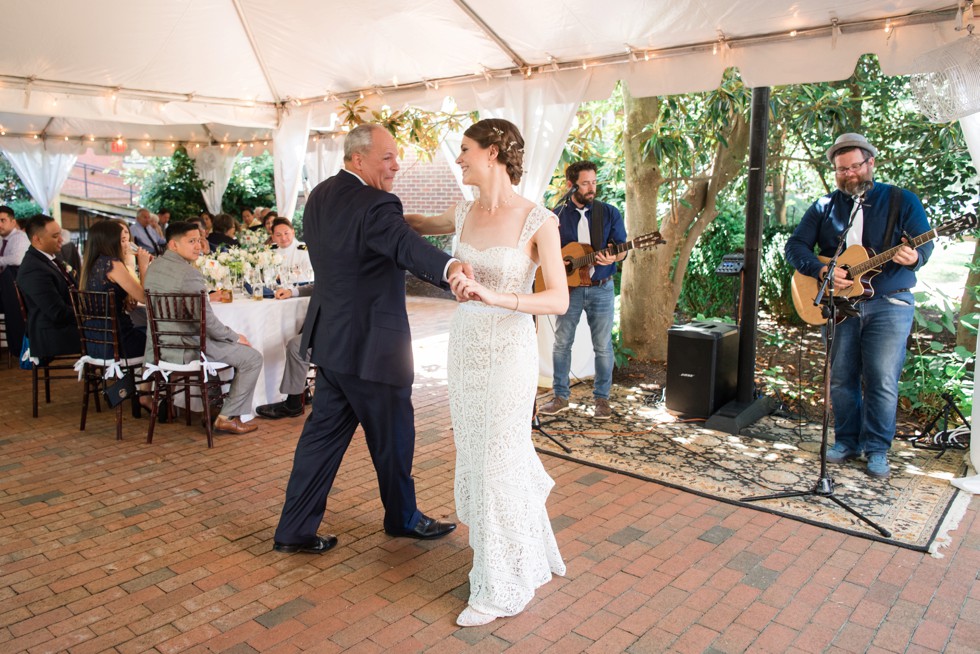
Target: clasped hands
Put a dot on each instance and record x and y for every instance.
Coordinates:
(462, 284)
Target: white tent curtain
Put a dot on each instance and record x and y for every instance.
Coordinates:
(42, 167)
(971, 132)
(325, 159)
(543, 109)
(214, 165)
(290, 154)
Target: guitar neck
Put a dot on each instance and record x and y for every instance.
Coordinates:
(591, 257)
(884, 257)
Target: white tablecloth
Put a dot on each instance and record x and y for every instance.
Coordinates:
(268, 325)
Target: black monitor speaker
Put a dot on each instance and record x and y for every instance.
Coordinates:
(702, 368)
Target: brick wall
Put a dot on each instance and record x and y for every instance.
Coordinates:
(426, 187)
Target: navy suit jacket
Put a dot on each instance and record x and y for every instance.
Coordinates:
(50, 320)
(360, 246)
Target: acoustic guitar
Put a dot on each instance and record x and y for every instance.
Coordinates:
(862, 264)
(579, 256)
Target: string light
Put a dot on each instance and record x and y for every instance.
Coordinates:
(793, 33)
(888, 25)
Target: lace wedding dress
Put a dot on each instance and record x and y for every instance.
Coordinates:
(501, 485)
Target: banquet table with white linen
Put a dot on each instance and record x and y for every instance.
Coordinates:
(268, 325)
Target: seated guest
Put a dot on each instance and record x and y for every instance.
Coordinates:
(293, 382)
(175, 272)
(246, 219)
(267, 220)
(207, 217)
(145, 234)
(45, 285)
(223, 236)
(205, 234)
(295, 255)
(104, 270)
(258, 219)
(14, 242)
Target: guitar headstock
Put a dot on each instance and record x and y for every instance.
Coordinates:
(964, 223)
(648, 240)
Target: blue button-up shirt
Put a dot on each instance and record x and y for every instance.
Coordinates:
(827, 217)
(614, 231)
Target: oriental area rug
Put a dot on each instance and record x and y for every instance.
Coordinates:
(774, 455)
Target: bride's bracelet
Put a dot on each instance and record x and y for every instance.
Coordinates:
(517, 303)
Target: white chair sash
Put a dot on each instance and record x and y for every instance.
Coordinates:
(26, 356)
(210, 368)
(113, 367)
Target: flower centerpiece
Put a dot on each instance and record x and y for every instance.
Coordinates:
(226, 270)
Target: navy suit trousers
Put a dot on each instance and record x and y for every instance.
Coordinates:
(340, 403)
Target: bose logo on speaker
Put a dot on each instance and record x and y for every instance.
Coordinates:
(687, 374)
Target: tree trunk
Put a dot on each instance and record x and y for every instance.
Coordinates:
(652, 279)
(969, 303)
(645, 286)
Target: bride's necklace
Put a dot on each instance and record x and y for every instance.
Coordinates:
(494, 207)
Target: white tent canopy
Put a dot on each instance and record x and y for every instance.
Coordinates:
(235, 73)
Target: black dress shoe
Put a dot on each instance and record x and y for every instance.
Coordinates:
(426, 529)
(319, 545)
(278, 410)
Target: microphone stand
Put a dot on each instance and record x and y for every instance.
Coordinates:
(536, 424)
(824, 486)
(564, 199)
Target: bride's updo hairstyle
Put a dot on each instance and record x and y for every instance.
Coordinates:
(510, 144)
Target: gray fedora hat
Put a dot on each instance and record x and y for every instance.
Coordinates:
(850, 140)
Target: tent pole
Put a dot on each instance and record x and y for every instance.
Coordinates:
(745, 410)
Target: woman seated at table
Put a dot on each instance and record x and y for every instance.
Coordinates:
(103, 270)
(222, 236)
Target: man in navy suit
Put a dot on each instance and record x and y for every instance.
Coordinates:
(45, 285)
(357, 327)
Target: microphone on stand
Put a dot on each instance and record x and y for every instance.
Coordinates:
(564, 199)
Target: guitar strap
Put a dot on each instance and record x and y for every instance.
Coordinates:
(597, 226)
(894, 206)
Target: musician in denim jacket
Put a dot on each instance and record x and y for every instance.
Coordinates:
(584, 219)
(869, 348)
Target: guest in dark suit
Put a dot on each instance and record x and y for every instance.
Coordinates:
(357, 327)
(45, 284)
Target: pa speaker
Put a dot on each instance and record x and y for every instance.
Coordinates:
(702, 367)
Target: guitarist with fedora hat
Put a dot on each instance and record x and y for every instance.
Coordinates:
(584, 219)
(868, 349)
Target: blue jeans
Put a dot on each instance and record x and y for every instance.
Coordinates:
(599, 304)
(866, 362)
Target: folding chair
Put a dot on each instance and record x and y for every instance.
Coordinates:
(178, 332)
(102, 359)
(52, 368)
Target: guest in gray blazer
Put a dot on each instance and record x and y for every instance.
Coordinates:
(174, 272)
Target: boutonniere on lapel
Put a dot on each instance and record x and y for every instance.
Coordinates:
(68, 269)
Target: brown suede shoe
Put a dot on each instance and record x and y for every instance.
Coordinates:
(602, 410)
(233, 426)
(554, 406)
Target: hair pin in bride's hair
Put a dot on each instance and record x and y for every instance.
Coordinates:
(498, 131)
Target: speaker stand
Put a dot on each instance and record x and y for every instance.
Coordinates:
(735, 415)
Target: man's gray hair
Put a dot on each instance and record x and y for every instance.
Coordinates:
(360, 139)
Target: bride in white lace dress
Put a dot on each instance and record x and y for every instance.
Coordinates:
(501, 486)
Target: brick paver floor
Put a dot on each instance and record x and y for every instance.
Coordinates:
(110, 546)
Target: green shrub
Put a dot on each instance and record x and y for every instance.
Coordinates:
(703, 291)
(775, 275)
